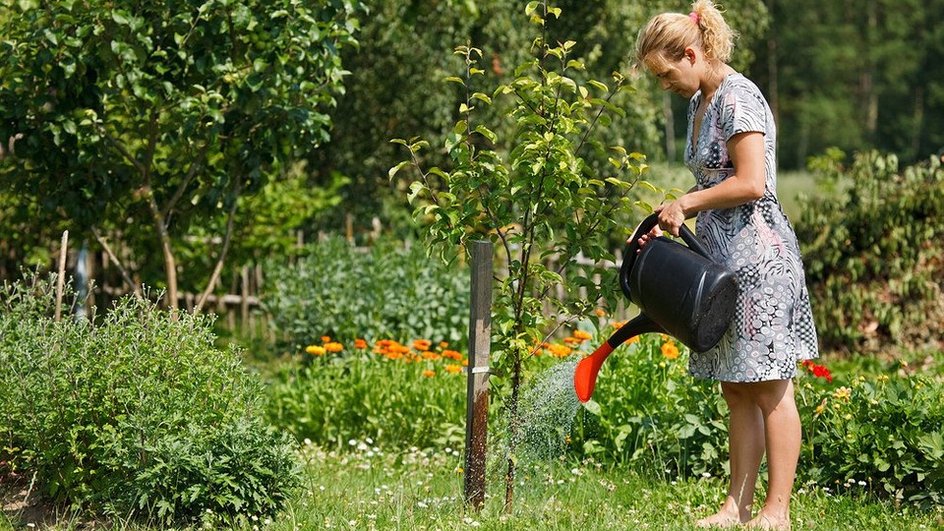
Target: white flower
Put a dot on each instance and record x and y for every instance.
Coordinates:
(352, 442)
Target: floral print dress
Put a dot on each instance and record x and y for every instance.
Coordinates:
(773, 325)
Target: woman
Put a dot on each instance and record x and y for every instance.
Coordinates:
(731, 152)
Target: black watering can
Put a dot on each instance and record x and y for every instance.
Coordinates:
(681, 291)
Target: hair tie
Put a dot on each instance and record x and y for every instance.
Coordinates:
(694, 16)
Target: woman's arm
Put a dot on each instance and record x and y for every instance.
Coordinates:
(747, 184)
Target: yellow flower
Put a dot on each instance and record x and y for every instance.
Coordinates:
(580, 334)
(315, 350)
(843, 393)
(453, 369)
(669, 350)
(429, 373)
(333, 347)
(325, 339)
(820, 408)
(443, 344)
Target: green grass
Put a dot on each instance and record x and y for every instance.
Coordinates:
(423, 490)
(410, 489)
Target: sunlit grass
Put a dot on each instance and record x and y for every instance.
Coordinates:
(414, 489)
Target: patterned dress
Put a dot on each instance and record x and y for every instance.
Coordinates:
(773, 325)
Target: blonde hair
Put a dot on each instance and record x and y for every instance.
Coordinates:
(668, 34)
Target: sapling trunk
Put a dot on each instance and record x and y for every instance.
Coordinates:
(513, 426)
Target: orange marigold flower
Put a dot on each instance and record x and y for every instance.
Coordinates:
(394, 355)
(465, 362)
(572, 341)
(431, 355)
(402, 349)
(452, 354)
(325, 339)
(669, 350)
(443, 344)
(617, 324)
(315, 350)
(559, 350)
(333, 347)
(429, 373)
(634, 339)
(385, 343)
(453, 369)
(600, 312)
(422, 344)
(582, 335)
(360, 344)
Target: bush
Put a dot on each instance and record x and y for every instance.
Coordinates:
(388, 292)
(399, 398)
(881, 434)
(873, 253)
(139, 415)
(653, 415)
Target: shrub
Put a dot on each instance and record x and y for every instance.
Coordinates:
(387, 292)
(139, 414)
(395, 396)
(652, 415)
(881, 434)
(873, 253)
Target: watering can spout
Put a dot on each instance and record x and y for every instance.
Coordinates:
(585, 375)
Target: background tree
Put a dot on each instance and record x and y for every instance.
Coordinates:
(162, 114)
(404, 43)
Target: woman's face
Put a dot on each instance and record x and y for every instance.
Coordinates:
(680, 77)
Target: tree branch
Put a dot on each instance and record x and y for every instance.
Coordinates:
(111, 255)
(218, 268)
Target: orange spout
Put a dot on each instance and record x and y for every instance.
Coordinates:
(585, 376)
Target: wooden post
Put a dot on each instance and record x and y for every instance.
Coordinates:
(61, 280)
(476, 419)
(349, 228)
(244, 303)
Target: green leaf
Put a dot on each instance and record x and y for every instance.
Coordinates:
(393, 171)
(454, 79)
(593, 407)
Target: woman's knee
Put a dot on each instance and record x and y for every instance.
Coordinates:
(736, 394)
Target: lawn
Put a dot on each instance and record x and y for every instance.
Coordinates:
(368, 488)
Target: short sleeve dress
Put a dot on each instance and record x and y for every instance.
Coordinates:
(773, 325)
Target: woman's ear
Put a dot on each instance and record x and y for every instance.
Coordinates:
(691, 55)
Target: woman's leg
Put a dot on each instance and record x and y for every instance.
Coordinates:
(783, 432)
(746, 447)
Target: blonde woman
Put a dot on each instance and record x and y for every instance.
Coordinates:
(730, 149)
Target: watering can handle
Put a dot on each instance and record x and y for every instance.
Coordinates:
(629, 255)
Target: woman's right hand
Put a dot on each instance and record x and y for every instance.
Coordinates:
(648, 237)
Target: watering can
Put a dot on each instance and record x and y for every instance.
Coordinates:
(681, 291)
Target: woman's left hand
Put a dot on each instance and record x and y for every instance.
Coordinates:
(671, 217)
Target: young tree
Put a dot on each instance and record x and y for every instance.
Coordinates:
(162, 114)
(532, 193)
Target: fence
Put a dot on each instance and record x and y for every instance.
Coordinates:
(242, 296)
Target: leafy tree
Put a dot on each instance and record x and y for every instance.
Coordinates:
(854, 74)
(530, 191)
(161, 115)
(406, 43)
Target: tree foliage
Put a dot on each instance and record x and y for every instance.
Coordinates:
(529, 189)
(157, 114)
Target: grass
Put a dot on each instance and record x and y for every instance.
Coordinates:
(367, 488)
(370, 489)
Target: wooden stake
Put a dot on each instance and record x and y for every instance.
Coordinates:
(61, 280)
(480, 323)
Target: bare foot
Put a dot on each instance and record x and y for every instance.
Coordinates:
(722, 518)
(764, 521)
